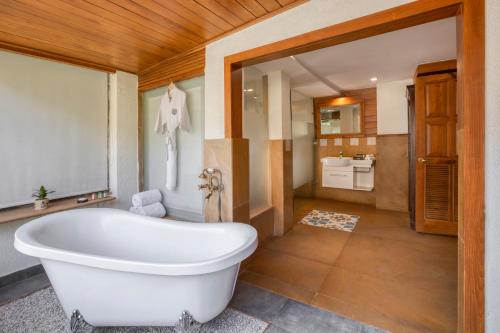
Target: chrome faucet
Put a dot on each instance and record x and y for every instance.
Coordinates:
(341, 154)
(212, 185)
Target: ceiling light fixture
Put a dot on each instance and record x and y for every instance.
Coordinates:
(373, 79)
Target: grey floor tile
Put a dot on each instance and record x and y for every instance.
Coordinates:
(289, 316)
(283, 314)
(257, 302)
(22, 288)
(297, 317)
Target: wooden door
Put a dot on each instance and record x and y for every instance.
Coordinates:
(436, 165)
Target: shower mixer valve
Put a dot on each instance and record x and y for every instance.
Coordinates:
(213, 185)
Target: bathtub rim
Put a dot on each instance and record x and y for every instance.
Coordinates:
(26, 244)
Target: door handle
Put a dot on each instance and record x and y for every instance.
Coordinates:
(421, 160)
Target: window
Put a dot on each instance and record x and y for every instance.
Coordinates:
(53, 129)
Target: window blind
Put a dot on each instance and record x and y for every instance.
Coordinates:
(53, 129)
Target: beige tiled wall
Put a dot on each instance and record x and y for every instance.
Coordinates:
(391, 174)
(282, 184)
(231, 157)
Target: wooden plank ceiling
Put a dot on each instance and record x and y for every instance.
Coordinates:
(127, 35)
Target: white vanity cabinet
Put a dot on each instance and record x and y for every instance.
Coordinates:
(347, 173)
(339, 177)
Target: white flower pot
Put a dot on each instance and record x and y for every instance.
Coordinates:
(41, 204)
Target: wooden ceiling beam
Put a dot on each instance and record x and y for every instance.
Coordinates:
(55, 57)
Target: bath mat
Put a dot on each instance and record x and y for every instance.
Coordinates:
(331, 220)
(41, 312)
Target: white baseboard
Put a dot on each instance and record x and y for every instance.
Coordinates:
(185, 215)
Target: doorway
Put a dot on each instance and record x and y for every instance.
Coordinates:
(351, 243)
(470, 78)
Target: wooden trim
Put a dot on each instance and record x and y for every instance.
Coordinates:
(405, 16)
(436, 67)
(181, 67)
(335, 101)
(389, 135)
(54, 57)
(471, 74)
(369, 97)
(338, 100)
(233, 111)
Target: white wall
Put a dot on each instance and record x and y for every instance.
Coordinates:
(123, 137)
(303, 137)
(280, 120)
(492, 172)
(312, 15)
(43, 117)
(392, 107)
(10, 259)
(185, 202)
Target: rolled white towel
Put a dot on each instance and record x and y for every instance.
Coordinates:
(154, 210)
(146, 198)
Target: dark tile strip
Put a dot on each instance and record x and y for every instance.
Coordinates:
(21, 275)
(23, 288)
(289, 316)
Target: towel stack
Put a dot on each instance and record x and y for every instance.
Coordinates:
(148, 203)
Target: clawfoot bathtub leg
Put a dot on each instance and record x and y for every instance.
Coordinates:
(187, 324)
(78, 323)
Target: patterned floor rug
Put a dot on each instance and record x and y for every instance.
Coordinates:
(41, 312)
(331, 220)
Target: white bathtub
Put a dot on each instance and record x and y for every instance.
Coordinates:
(121, 269)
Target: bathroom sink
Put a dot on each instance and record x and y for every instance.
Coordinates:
(362, 163)
(336, 161)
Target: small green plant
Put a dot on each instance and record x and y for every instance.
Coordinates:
(41, 193)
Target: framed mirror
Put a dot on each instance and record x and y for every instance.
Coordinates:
(339, 117)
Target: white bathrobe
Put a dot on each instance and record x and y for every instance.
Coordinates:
(173, 113)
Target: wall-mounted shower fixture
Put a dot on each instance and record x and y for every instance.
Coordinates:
(213, 184)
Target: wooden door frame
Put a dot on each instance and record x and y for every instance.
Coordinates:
(471, 102)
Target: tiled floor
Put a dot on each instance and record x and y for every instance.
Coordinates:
(383, 273)
(283, 315)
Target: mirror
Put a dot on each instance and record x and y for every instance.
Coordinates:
(340, 117)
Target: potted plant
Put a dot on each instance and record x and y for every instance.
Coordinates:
(41, 201)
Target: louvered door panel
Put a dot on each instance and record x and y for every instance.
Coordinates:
(439, 196)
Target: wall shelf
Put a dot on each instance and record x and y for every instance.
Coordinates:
(27, 211)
